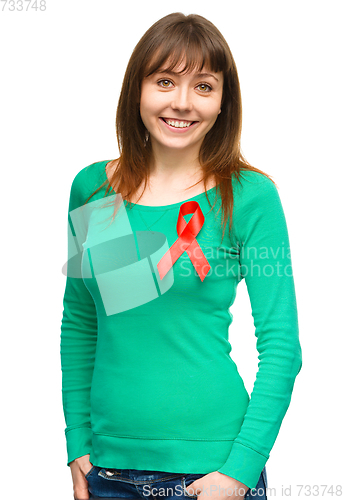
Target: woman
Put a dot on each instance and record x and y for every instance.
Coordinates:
(153, 401)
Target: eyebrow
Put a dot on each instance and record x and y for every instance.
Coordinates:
(196, 76)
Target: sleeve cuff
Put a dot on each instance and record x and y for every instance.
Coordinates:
(79, 442)
(244, 464)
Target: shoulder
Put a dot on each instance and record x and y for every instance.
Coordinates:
(254, 189)
(87, 175)
(86, 181)
(257, 204)
(251, 182)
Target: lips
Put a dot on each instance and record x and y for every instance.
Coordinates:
(176, 120)
(178, 130)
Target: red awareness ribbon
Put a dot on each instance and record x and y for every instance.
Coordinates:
(187, 232)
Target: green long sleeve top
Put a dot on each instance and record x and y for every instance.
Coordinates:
(148, 381)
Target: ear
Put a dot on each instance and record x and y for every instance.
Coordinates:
(219, 111)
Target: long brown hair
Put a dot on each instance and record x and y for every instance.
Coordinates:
(174, 38)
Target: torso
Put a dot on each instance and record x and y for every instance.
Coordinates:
(158, 194)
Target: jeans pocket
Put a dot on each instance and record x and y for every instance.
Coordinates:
(188, 479)
(265, 479)
(89, 472)
(259, 491)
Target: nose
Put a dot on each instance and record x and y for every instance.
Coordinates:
(182, 100)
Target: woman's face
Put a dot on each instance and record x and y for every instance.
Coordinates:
(181, 99)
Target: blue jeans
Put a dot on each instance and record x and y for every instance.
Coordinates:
(140, 484)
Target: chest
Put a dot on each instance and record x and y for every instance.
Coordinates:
(160, 195)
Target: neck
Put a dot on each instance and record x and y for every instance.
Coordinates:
(175, 166)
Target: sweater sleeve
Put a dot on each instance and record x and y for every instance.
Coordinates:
(78, 340)
(266, 266)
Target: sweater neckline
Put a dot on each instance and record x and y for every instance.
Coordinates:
(152, 208)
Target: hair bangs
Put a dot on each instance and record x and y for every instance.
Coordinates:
(195, 52)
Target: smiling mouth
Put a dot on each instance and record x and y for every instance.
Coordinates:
(174, 120)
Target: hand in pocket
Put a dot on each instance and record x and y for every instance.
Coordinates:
(80, 468)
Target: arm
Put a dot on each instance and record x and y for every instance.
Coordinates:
(78, 344)
(266, 266)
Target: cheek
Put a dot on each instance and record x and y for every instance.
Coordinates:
(145, 102)
(209, 109)
(211, 116)
(146, 113)
(151, 103)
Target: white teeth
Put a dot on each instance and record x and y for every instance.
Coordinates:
(178, 124)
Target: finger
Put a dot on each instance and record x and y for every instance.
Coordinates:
(190, 489)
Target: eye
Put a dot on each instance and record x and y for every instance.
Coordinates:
(160, 81)
(205, 85)
(199, 85)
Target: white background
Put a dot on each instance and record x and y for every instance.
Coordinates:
(62, 71)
